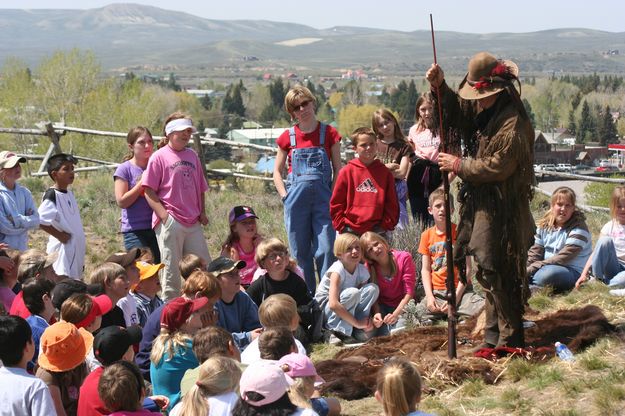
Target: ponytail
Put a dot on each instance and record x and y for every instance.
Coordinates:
(399, 385)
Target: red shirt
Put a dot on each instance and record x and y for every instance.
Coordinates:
(305, 140)
(89, 403)
(18, 308)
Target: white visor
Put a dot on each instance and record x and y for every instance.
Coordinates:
(179, 124)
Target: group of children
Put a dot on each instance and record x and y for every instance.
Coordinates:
(253, 305)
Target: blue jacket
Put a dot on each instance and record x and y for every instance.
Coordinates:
(18, 214)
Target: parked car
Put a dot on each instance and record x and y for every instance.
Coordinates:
(578, 168)
(608, 168)
(548, 166)
(564, 167)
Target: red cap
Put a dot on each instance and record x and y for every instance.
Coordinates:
(101, 305)
(176, 312)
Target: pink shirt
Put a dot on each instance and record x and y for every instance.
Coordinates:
(424, 143)
(178, 180)
(246, 273)
(393, 289)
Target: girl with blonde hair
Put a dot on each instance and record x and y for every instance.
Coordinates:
(562, 244)
(399, 388)
(214, 392)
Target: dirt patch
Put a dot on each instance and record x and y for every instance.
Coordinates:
(351, 374)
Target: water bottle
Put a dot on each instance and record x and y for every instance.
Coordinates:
(564, 352)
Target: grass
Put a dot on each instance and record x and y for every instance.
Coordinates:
(592, 385)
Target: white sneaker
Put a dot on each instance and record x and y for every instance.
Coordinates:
(617, 292)
(333, 340)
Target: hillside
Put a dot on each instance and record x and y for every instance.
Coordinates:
(130, 35)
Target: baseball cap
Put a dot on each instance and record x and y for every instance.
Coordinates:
(111, 343)
(241, 212)
(299, 366)
(63, 346)
(100, 305)
(147, 270)
(125, 259)
(224, 265)
(176, 312)
(266, 379)
(10, 159)
(179, 124)
(66, 288)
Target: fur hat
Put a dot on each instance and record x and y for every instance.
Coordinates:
(487, 76)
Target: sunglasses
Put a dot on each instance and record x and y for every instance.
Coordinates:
(302, 105)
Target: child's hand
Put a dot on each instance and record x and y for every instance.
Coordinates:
(391, 319)
(377, 320)
(256, 333)
(431, 304)
(6, 264)
(582, 279)
(203, 219)
(4, 246)
(392, 166)
(63, 237)
(161, 401)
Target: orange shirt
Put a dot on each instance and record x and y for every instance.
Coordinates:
(432, 244)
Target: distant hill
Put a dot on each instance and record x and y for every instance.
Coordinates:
(131, 35)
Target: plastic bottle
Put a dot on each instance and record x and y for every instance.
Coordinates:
(564, 352)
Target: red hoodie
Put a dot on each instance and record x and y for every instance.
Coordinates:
(363, 197)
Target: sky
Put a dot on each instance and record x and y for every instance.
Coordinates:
(404, 15)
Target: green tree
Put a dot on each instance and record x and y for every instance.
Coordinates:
(572, 127)
(353, 116)
(607, 129)
(586, 128)
(530, 113)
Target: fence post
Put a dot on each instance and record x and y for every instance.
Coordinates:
(197, 143)
(53, 149)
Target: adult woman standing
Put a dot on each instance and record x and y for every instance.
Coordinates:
(136, 213)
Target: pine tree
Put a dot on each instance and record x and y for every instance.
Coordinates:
(607, 129)
(586, 124)
(572, 127)
(528, 110)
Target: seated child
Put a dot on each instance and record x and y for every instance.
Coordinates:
(209, 342)
(110, 345)
(562, 244)
(62, 364)
(63, 290)
(36, 295)
(190, 263)
(302, 392)
(214, 392)
(264, 390)
(434, 267)
(364, 197)
(59, 216)
(198, 284)
(394, 273)
(345, 294)
(237, 312)
(122, 390)
(608, 258)
(242, 242)
(274, 343)
(399, 388)
(110, 279)
(172, 352)
(145, 293)
(21, 393)
(128, 304)
(8, 279)
(276, 310)
(33, 264)
(280, 277)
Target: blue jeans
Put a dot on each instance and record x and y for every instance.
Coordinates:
(309, 227)
(358, 303)
(143, 238)
(605, 265)
(561, 278)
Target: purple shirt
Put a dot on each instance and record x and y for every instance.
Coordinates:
(178, 180)
(138, 216)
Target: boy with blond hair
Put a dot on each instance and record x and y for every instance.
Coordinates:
(434, 266)
(277, 310)
(364, 197)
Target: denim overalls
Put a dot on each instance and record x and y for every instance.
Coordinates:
(307, 208)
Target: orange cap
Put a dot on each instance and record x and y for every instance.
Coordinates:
(147, 270)
(64, 347)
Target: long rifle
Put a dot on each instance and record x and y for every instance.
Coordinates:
(451, 290)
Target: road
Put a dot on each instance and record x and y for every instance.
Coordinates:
(577, 186)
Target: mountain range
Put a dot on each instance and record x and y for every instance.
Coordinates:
(136, 36)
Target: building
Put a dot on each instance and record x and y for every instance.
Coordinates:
(259, 136)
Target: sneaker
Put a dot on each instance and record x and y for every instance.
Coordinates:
(333, 340)
(344, 339)
(617, 292)
(361, 335)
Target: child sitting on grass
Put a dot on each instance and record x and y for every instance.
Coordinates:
(345, 294)
(21, 393)
(145, 293)
(399, 388)
(242, 242)
(59, 216)
(434, 267)
(122, 390)
(38, 300)
(276, 310)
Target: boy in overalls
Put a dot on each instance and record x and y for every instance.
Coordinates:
(313, 151)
